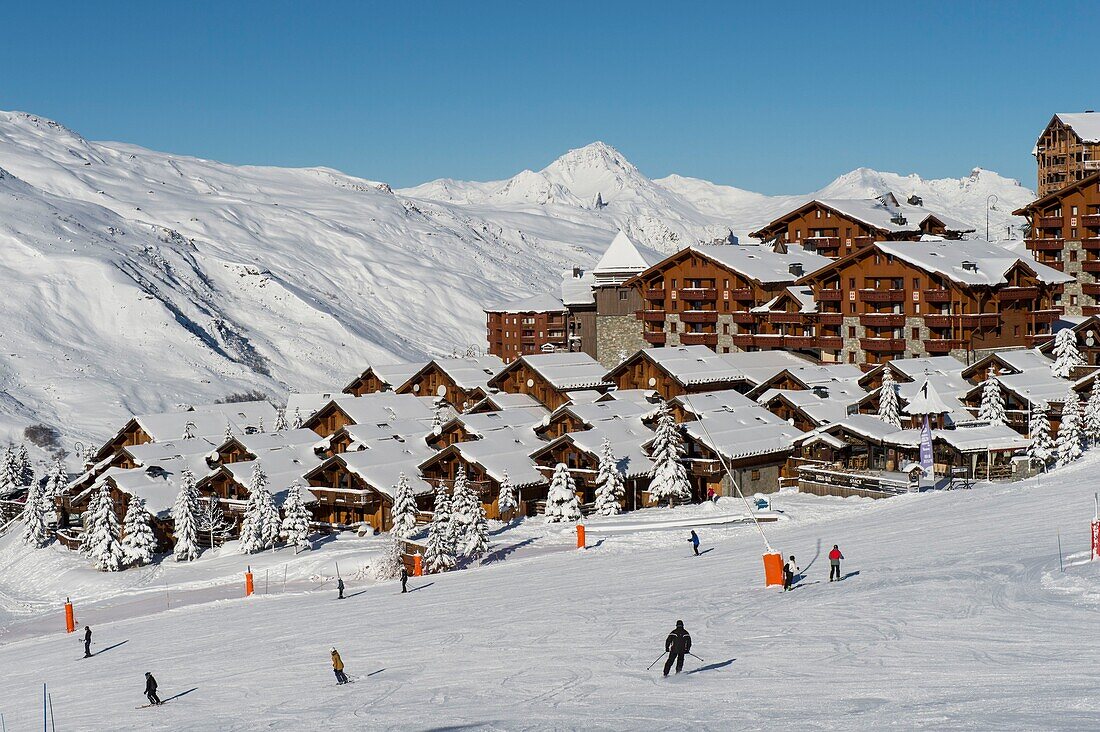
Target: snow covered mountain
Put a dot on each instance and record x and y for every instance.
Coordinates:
(136, 280)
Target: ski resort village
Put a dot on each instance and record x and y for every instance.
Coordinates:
(283, 448)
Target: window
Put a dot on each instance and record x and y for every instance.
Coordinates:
(916, 334)
(852, 308)
(755, 475)
(726, 285)
(819, 213)
(851, 331)
(725, 328)
(726, 305)
(623, 294)
(672, 327)
(916, 283)
(674, 284)
(851, 283)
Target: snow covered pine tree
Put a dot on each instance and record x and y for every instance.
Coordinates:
(56, 480)
(889, 407)
(1041, 449)
(1069, 430)
(439, 554)
(391, 561)
(477, 533)
(1066, 355)
(1092, 415)
(561, 499)
(506, 499)
(295, 527)
(609, 483)
(24, 469)
(36, 510)
(138, 542)
(185, 518)
(992, 408)
(101, 541)
(404, 508)
(260, 527)
(280, 420)
(464, 507)
(669, 477)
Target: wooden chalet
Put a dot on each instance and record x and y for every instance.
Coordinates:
(537, 324)
(1088, 341)
(551, 378)
(377, 408)
(905, 370)
(809, 377)
(1068, 150)
(837, 227)
(466, 427)
(579, 417)
(460, 382)
(1064, 233)
(705, 295)
(383, 377)
(677, 370)
(915, 299)
(581, 452)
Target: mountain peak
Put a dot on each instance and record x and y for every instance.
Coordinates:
(592, 156)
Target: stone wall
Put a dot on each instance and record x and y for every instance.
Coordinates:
(616, 336)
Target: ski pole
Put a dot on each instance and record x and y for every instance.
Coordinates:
(693, 655)
(655, 662)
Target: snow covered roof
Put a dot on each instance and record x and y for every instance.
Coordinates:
(396, 374)
(382, 464)
(991, 261)
(1034, 386)
(692, 365)
(743, 433)
(822, 410)
(566, 371)
(761, 263)
(262, 441)
(925, 400)
(482, 423)
(151, 453)
(621, 409)
(626, 438)
(889, 214)
(996, 437)
(872, 428)
(363, 435)
(385, 406)
(913, 367)
(1085, 125)
(284, 465)
(156, 484)
(841, 378)
(725, 400)
(632, 395)
(756, 367)
(623, 259)
(533, 304)
(949, 387)
(173, 425)
(803, 295)
(506, 400)
(583, 396)
(504, 451)
(577, 290)
(306, 405)
(467, 372)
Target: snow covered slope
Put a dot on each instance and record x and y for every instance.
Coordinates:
(952, 614)
(136, 280)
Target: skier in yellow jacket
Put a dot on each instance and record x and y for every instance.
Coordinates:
(338, 667)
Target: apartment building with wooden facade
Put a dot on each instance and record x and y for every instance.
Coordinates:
(836, 227)
(1068, 150)
(537, 324)
(1065, 234)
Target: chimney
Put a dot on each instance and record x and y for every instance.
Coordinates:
(821, 391)
(795, 268)
(969, 265)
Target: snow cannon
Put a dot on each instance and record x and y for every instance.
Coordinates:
(773, 569)
(580, 536)
(70, 621)
(249, 588)
(418, 565)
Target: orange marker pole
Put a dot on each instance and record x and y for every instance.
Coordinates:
(580, 536)
(248, 586)
(773, 569)
(70, 621)
(418, 565)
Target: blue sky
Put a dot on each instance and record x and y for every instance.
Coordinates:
(775, 97)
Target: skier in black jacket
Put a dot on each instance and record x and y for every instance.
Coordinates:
(87, 641)
(340, 588)
(676, 645)
(404, 580)
(151, 689)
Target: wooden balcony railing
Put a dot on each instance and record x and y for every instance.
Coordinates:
(1019, 293)
(937, 295)
(883, 345)
(699, 316)
(699, 339)
(1045, 245)
(656, 337)
(698, 293)
(868, 295)
(830, 318)
(829, 295)
(882, 320)
(1049, 222)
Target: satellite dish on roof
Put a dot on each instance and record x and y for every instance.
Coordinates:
(530, 383)
(416, 387)
(652, 381)
(1090, 341)
(440, 390)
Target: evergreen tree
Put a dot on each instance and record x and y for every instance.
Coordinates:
(391, 562)
(992, 408)
(1041, 449)
(138, 542)
(439, 554)
(280, 420)
(404, 509)
(36, 510)
(506, 501)
(101, 541)
(561, 499)
(669, 477)
(24, 468)
(609, 483)
(477, 537)
(189, 431)
(296, 518)
(464, 507)
(296, 423)
(260, 424)
(185, 518)
(440, 417)
(211, 520)
(1066, 355)
(1069, 431)
(889, 406)
(260, 527)
(9, 471)
(1092, 415)
(228, 432)
(57, 479)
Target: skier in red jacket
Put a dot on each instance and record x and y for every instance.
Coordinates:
(834, 563)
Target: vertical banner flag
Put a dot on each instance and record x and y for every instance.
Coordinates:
(926, 447)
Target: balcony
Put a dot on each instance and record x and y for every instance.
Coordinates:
(822, 242)
(943, 346)
(653, 316)
(742, 294)
(1089, 265)
(654, 294)
(882, 295)
(800, 342)
(786, 317)
(830, 343)
(966, 320)
(1091, 243)
(1019, 293)
(743, 340)
(699, 339)
(655, 337)
(883, 345)
(1045, 245)
(1091, 219)
(743, 318)
(1049, 222)
(1091, 288)
(882, 320)
(699, 316)
(937, 295)
(829, 295)
(1046, 315)
(830, 318)
(698, 293)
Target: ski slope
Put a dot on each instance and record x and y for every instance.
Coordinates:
(953, 614)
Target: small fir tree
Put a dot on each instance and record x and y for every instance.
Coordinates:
(185, 518)
(228, 432)
(211, 520)
(1066, 355)
(101, 532)
(56, 480)
(24, 468)
(296, 423)
(439, 554)
(477, 535)
(609, 483)
(296, 517)
(392, 561)
(561, 498)
(889, 406)
(189, 431)
(280, 420)
(404, 509)
(669, 477)
(138, 542)
(992, 408)
(260, 424)
(506, 501)
(9, 470)
(1092, 415)
(260, 527)
(464, 507)
(36, 512)
(1069, 430)
(1041, 448)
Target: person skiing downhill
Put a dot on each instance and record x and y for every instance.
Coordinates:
(834, 563)
(338, 668)
(340, 587)
(788, 575)
(151, 689)
(677, 644)
(404, 580)
(694, 542)
(87, 641)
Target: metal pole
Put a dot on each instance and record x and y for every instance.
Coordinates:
(53, 726)
(1060, 567)
(44, 708)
